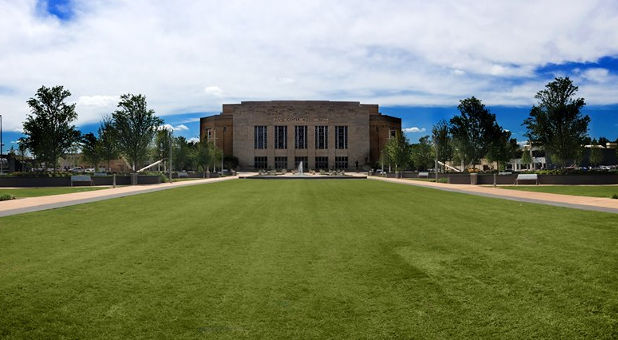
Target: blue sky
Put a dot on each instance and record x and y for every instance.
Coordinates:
(416, 59)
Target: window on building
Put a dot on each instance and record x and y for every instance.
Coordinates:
(281, 162)
(259, 137)
(297, 161)
(281, 137)
(341, 162)
(321, 137)
(300, 140)
(393, 133)
(341, 137)
(260, 162)
(321, 162)
(209, 134)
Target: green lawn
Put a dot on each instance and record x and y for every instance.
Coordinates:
(33, 192)
(576, 190)
(184, 179)
(309, 259)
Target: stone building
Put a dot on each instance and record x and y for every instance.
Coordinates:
(281, 134)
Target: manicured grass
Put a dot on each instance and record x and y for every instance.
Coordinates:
(33, 192)
(576, 190)
(184, 179)
(309, 259)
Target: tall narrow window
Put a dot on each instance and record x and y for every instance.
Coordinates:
(341, 162)
(300, 139)
(341, 137)
(393, 133)
(281, 163)
(281, 137)
(321, 137)
(260, 162)
(321, 162)
(259, 137)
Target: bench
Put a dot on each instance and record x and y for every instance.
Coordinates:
(423, 174)
(527, 177)
(81, 178)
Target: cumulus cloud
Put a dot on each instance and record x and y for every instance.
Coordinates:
(386, 52)
(413, 129)
(193, 140)
(170, 127)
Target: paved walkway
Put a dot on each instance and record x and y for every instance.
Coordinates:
(30, 204)
(577, 202)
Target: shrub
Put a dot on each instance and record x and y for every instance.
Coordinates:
(6, 197)
(615, 196)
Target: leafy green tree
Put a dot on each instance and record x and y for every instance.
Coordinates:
(442, 140)
(108, 141)
(473, 130)
(556, 121)
(596, 156)
(397, 151)
(421, 154)
(49, 128)
(91, 150)
(183, 154)
(526, 158)
(163, 139)
(502, 149)
(135, 126)
(230, 162)
(204, 157)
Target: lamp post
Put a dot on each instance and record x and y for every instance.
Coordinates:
(170, 165)
(435, 168)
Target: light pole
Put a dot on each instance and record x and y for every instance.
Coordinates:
(170, 165)
(435, 168)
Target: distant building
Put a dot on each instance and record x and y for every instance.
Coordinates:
(281, 134)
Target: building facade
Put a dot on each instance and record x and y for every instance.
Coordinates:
(281, 134)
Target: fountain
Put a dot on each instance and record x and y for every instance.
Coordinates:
(300, 172)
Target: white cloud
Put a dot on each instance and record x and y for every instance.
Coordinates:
(371, 51)
(170, 127)
(193, 140)
(413, 129)
(214, 91)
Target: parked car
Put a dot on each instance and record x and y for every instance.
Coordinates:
(89, 170)
(77, 169)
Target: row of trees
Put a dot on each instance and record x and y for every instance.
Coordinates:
(555, 124)
(468, 137)
(128, 132)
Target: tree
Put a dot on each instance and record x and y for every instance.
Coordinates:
(48, 128)
(421, 154)
(473, 130)
(108, 141)
(596, 156)
(135, 126)
(502, 149)
(556, 122)
(163, 140)
(204, 156)
(182, 153)
(397, 151)
(91, 149)
(526, 158)
(442, 141)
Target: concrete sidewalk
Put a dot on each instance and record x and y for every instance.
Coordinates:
(30, 204)
(577, 202)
